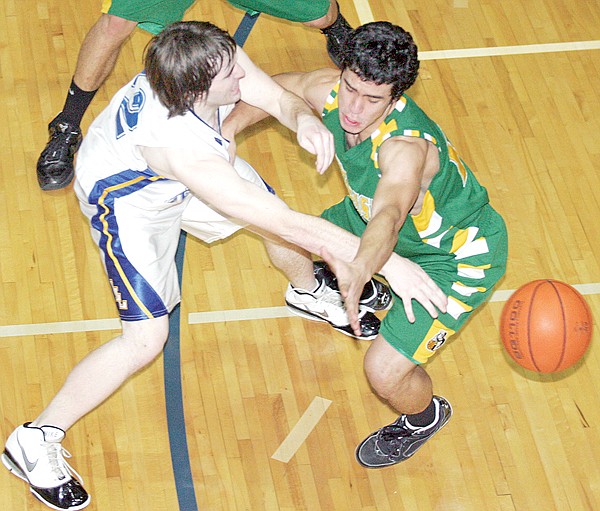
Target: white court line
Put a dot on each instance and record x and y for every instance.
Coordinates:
(365, 15)
(65, 327)
(524, 49)
(302, 429)
(363, 9)
(195, 318)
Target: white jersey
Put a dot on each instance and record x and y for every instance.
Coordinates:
(135, 117)
(135, 214)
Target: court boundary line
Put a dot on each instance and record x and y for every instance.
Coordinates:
(196, 318)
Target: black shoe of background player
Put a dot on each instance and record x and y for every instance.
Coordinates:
(55, 164)
(336, 34)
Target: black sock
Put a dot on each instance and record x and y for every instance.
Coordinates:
(424, 418)
(76, 104)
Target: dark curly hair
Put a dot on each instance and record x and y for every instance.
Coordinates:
(381, 52)
(182, 61)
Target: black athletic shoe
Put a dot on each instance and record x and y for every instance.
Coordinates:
(325, 304)
(336, 34)
(376, 295)
(37, 456)
(55, 164)
(397, 442)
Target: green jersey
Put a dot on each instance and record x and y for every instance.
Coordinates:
(454, 195)
(456, 237)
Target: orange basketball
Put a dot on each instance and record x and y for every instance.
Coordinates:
(546, 326)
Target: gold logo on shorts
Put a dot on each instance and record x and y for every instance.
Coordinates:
(121, 304)
(436, 342)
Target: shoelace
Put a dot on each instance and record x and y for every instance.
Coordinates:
(389, 439)
(57, 454)
(60, 142)
(329, 295)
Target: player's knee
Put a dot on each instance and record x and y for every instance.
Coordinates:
(387, 373)
(116, 29)
(145, 341)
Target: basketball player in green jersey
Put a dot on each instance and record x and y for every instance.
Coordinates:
(409, 192)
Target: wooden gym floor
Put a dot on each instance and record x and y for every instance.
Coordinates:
(523, 109)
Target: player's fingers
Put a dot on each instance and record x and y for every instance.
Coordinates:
(410, 315)
(325, 153)
(439, 299)
(429, 307)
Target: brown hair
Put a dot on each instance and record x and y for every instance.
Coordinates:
(182, 61)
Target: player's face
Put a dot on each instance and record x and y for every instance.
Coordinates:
(225, 87)
(362, 104)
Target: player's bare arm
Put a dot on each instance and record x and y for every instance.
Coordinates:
(403, 165)
(207, 175)
(311, 87)
(261, 91)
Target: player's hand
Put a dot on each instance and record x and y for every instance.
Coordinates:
(316, 139)
(410, 282)
(351, 279)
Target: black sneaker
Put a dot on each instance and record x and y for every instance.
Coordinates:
(325, 304)
(55, 164)
(336, 34)
(397, 442)
(37, 456)
(375, 296)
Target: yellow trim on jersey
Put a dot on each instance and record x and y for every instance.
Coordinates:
(379, 136)
(458, 163)
(461, 238)
(464, 290)
(457, 307)
(422, 221)
(401, 104)
(109, 237)
(472, 272)
(437, 336)
(332, 100)
(106, 5)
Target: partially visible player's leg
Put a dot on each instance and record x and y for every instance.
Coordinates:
(96, 60)
(324, 15)
(34, 450)
(143, 277)
(104, 370)
(407, 388)
(100, 50)
(335, 28)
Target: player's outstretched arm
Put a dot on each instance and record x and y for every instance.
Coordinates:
(261, 91)
(208, 176)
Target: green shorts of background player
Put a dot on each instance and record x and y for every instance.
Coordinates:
(150, 15)
(302, 11)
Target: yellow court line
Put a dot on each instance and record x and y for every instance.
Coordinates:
(302, 429)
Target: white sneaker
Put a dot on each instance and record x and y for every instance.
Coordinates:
(37, 456)
(375, 295)
(325, 304)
